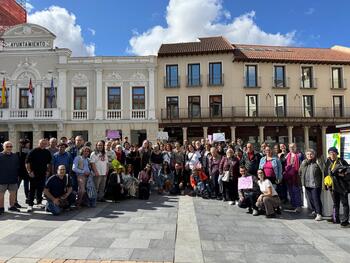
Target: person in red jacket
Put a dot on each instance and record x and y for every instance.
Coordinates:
(199, 181)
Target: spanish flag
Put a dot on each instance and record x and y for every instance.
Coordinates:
(3, 92)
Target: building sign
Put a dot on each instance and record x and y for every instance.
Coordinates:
(28, 44)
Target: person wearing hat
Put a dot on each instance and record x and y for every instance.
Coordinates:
(62, 157)
(334, 182)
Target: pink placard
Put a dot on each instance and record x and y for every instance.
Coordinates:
(245, 182)
(113, 134)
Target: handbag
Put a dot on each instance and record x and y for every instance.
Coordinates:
(226, 176)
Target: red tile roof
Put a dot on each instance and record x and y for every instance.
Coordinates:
(289, 54)
(203, 46)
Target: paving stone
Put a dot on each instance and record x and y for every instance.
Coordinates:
(9, 251)
(162, 244)
(71, 253)
(19, 240)
(130, 243)
(145, 234)
(101, 242)
(35, 231)
(23, 260)
(111, 254)
(152, 254)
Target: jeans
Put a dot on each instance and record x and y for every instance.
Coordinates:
(314, 196)
(343, 198)
(56, 209)
(249, 200)
(295, 195)
(100, 184)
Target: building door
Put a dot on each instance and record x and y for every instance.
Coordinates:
(29, 136)
(50, 134)
(138, 136)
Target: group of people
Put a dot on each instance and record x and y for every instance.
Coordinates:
(70, 173)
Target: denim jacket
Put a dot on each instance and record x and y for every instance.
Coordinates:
(276, 165)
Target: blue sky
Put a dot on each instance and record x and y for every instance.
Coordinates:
(309, 23)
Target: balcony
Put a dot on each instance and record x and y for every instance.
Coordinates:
(217, 80)
(30, 114)
(171, 83)
(252, 83)
(138, 114)
(281, 84)
(113, 115)
(338, 84)
(308, 83)
(233, 114)
(194, 81)
(79, 115)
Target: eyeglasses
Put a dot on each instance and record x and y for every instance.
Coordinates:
(9, 146)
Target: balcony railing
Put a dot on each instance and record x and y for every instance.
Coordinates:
(138, 114)
(308, 83)
(338, 83)
(280, 84)
(194, 81)
(79, 115)
(172, 82)
(250, 83)
(215, 80)
(29, 114)
(242, 112)
(113, 115)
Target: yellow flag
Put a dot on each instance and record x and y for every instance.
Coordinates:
(3, 92)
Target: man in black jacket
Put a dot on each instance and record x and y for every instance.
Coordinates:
(9, 174)
(251, 159)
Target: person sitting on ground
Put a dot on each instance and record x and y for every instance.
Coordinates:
(179, 185)
(58, 191)
(130, 182)
(199, 182)
(9, 175)
(248, 194)
(145, 178)
(165, 178)
(268, 201)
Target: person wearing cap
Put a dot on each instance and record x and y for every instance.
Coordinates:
(339, 192)
(62, 157)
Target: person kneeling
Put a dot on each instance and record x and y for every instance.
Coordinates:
(248, 190)
(268, 200)
(58, 191)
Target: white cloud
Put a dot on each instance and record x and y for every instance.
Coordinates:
(92, 31)
(63, 24)
(188, 20)
(310, 11)
(29, 7)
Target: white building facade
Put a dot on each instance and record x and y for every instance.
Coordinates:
(94, 96)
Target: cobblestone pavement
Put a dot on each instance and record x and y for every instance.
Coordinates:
(168, 229)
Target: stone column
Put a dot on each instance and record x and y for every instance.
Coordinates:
(151, 94)
(37, 134)
(306, 138)
(37, 96)
(62, 104)
(324, 141)
(13, 136)
(205, 132)
(233, 133)
(184, 133)
(99, 92)
(13, 97)
(290, 134)
(60, 130)
(261, 134)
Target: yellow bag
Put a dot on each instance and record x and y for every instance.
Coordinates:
(328, 180)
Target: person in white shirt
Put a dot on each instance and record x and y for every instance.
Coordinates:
(99, 165)
(268, 200)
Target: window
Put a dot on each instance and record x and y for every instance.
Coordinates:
(114, 100)
(338, 106)
(138, 98)
(23, 98)
(337, 78)
(194, 77)
(80, 98)
(251, 76)
(6, 105)
(215, 73)
(172, 77)
(280, 105)
(194, 106)
(279, 79)
(252, 105)
(308, 101)
(172, 107)
(306, 77)
(215, 103)
(47, 102)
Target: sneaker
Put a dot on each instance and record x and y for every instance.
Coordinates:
(344, 224)
(231, 202)
(313, 214)
(255, 212)
(30, 209)
(14, 209)
(278, 211)
(249, 210)
(271, 216)
(18, 205)
(318, 217)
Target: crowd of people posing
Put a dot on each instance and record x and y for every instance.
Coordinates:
(70, 173)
